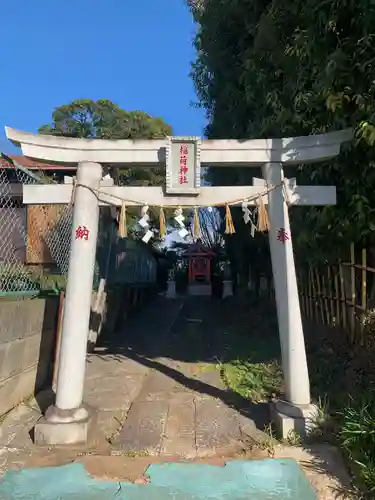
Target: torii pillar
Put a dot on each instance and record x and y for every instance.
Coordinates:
(295, 413)
(67, 421)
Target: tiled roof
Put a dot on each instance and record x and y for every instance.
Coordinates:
(31, 164)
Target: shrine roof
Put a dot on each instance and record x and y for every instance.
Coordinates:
(198, 249)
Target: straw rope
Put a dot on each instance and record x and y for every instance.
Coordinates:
(141, 203)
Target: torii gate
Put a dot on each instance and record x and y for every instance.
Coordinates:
(67, 422)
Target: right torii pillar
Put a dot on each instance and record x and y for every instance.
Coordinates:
(295, 413)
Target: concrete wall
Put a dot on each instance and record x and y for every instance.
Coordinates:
(27, 341)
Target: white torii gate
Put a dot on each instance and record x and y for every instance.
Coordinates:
(67, 422)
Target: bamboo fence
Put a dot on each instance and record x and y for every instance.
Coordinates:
(337, 295)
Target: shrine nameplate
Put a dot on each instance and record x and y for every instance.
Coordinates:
(183, 169)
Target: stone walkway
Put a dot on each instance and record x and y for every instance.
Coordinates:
(161, 374)
(159, 395)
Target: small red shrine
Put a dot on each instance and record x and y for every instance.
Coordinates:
(199, 261)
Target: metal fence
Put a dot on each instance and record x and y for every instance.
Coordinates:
(34, 240)
(35, 243)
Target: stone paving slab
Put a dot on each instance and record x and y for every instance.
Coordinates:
(159, 386)
(179, 434)
(15, 428)
(100, 364)
(143, 428)
(217, 426)
(116, 394)
(110, 422)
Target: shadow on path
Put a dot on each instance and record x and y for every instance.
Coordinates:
(201, 332)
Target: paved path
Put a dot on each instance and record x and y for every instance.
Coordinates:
(161, 373)
(160, 397)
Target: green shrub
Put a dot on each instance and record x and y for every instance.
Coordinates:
(357, 437)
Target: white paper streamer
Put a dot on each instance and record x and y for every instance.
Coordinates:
(179, 218)
(146, 238)
(246, 212)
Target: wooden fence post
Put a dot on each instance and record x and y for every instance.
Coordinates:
(315, 299)
(320, 296)
(337, 295)
(325, 298)
(331, 297)
(311, 303)
(342, 296)
(364, 293)
(353, 292)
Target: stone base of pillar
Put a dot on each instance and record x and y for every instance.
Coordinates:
(227, 289)
(200, 289)
(290, 419)
(64, 427)
(171, 290)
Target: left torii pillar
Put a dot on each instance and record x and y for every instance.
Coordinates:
(68, 421)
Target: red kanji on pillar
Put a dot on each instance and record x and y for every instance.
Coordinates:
(282, 235)
(82, 233)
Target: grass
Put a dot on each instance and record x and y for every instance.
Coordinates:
(357, 438)
(207, 367)
(256, 381)
(250, 363)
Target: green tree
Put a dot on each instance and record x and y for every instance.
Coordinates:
(274, 68)
(103, 119)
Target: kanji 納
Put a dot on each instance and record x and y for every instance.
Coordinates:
(82, 233)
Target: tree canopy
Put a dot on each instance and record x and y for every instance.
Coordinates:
(277, 68)
(103, 119)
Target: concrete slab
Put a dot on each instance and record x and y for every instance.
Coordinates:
(159, 386)
(217, 427)
(258, 480)
(179, 433)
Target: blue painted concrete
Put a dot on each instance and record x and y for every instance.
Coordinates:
(238, 480)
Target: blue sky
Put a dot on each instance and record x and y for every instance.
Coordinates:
(135, 53)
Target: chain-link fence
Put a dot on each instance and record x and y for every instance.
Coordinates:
(35, 239)
(35, 242)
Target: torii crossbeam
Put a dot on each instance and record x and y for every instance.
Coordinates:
(67, 421)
